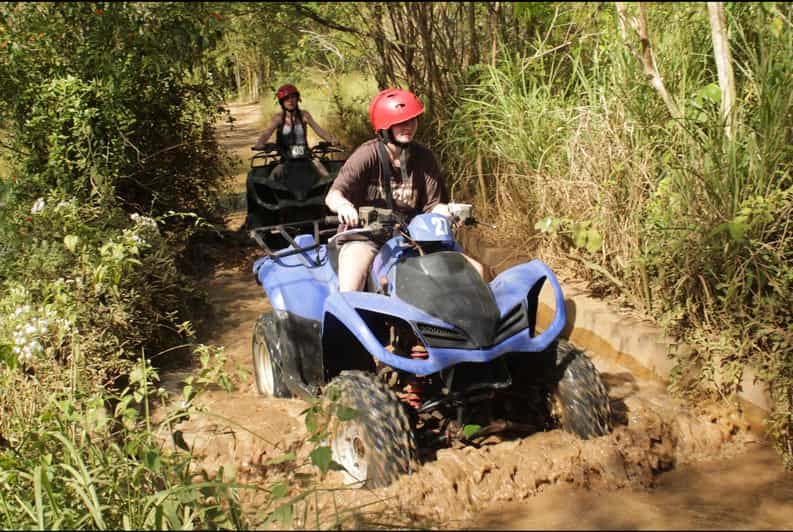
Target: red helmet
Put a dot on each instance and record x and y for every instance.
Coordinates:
(286, 90)
(393, 106)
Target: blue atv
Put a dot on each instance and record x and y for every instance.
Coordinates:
(429, 355)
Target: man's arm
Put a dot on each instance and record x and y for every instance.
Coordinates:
(435, 186)
(349, 188)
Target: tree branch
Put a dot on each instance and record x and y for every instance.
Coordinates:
(646, 57)
(313, 15)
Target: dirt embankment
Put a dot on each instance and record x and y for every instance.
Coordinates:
(241, 431)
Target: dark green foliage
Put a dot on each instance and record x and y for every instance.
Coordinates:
(105, 124)
(112, 101)
(106, 111)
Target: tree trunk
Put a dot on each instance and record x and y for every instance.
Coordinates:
(381, 73)
(266, 74)
(647, 57)
(472, 34)
(723, 56)
(425, 26)
(492, 15)
(248, 81)
(237, 78)
(256, 77)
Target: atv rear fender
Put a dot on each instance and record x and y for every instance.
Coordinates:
(302, 281)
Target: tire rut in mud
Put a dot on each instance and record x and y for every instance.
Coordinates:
(462, 481)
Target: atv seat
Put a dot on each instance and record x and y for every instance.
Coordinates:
(333, 256)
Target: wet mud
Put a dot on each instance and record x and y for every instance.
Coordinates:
(666, 465)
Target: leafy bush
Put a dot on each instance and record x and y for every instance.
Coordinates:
(93, 460)
(106, 113)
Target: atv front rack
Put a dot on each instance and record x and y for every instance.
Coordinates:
(256, 234)
(271, 152)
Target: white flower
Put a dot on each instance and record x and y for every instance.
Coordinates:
(38, 206)
(143, 221)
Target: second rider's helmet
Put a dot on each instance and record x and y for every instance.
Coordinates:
(392, 106)
(284, 91)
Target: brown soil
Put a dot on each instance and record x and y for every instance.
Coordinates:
(548, 480)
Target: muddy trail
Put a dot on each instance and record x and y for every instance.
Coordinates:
(666, 464)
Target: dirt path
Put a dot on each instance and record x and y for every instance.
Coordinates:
(239, 428)
(527, 483)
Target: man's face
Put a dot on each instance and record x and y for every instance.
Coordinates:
(405, 131)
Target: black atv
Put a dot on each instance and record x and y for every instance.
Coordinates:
(296, 191)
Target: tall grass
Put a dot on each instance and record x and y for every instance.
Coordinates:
(500, 142)
(680, 221)
(74, 459)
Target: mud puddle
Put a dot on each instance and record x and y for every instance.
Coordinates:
(746, 492)
(666, 465)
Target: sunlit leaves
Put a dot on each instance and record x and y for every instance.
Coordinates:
(321, 457)
(470, 430)
(8, 357)
(581, 233)
(71, 241)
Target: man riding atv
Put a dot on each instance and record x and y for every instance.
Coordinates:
(390, 171)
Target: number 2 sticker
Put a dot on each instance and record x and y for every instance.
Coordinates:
(441, 226)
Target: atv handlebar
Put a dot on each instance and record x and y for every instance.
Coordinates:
(270, 147)
(321, 147)
(327, 147)
(374, 222)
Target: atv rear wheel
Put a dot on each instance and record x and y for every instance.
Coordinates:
(377, 445)
(579, 401)
(266, 357)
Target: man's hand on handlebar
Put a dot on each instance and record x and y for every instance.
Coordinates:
(348, 214)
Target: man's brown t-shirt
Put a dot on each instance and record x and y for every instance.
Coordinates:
(359, 180)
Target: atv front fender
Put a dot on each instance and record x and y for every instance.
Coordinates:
(519, 284)
(524, 282)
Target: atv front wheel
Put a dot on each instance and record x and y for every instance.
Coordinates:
(579, 402)
(377, 445)
(266, 356)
